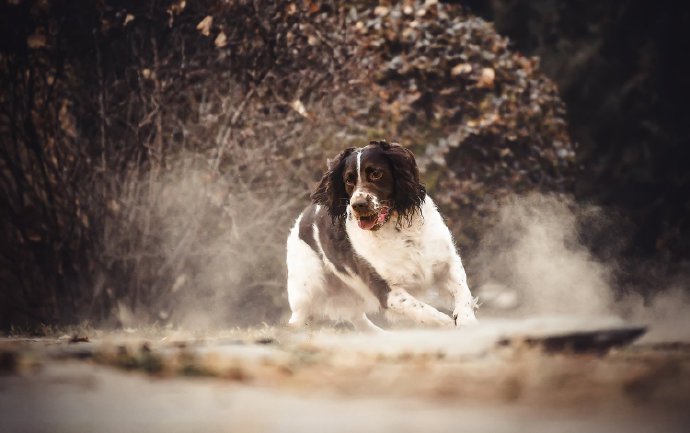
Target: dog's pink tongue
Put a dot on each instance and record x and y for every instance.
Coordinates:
(382, 216)
(367, 224)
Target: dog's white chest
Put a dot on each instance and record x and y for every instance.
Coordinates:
(410, 256)
(402, 259)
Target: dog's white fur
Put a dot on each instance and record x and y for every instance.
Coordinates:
(408, 257)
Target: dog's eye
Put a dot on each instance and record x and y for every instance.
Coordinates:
(376, 175)
(350, 179)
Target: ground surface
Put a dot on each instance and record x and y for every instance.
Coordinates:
(512, 376)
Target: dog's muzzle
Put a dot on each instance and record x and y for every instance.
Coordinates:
(369, 216)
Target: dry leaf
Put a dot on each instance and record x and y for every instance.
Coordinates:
(204, 25)
(114, 206)
(462, 68)
(221, 40)
(177, 8)
(37, 40)
(381, 11)
(128, 19)
(85, 220)
(314, 7)
(299, 107)
(67, 122)
(486, 80)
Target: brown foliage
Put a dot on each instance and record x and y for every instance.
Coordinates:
(154, 156)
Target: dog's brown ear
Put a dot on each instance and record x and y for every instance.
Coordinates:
(409, 192)
(331, 189)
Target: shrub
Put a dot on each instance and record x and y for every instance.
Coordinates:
(155, 155)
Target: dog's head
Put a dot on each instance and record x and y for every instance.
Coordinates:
(372, 184)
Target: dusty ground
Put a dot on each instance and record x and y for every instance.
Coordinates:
(509, 376)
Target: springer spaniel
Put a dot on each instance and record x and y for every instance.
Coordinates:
(372, 239)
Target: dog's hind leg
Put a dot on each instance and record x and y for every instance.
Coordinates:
(305, 278)
(363, 324)
(298, 320)
(401, 302)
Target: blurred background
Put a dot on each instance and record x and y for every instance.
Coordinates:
(154, 154)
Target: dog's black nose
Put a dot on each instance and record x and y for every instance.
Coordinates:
(360, 206)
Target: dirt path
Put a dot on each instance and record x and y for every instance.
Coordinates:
(495, 378)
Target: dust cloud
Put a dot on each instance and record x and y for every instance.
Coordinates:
(205, 251)
(535, 262)
(667, 314)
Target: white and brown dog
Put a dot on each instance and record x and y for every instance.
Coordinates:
(372, 239)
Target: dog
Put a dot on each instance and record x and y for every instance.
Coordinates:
(373, 239)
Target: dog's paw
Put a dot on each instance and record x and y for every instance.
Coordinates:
(464, 317)
(298, 321)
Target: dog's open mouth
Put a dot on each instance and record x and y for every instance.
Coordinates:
(374, 220)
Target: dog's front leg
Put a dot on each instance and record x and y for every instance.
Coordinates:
(465, 304)
(401, 302)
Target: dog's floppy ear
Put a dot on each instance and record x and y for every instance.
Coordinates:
(409, 192)
(331, 189)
